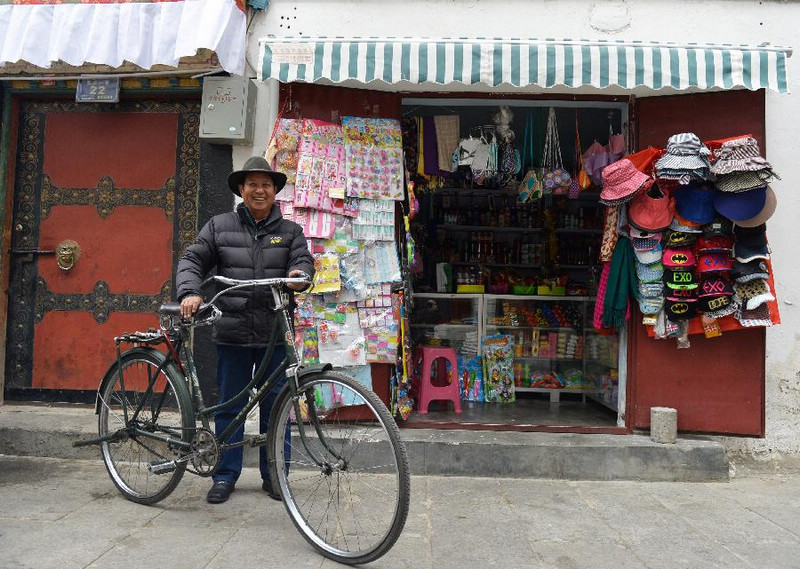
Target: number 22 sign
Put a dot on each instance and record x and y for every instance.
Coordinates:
(97, 90)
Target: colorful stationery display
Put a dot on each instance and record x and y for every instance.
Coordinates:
(374, 158)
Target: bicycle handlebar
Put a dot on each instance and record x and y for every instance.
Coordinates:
(242, 283)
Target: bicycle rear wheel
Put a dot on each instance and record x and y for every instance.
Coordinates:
(353, 506)
(147, 414)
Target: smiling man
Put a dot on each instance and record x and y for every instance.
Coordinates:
(253, 242)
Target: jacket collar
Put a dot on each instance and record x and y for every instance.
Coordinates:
(247, 218)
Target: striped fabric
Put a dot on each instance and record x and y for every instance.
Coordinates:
(546, 63)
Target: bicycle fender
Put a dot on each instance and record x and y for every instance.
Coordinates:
(310, 370)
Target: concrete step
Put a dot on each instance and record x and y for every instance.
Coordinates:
(48, 431)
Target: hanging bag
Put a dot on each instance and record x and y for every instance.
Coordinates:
(582, 179)
(556, 179)
(530, 188)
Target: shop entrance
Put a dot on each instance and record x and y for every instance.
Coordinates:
(508, 280)
(104, 199)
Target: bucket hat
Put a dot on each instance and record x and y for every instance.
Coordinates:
(770, 204)
(621, 181)
(739, 155)
(651, 210)
(255, 164)
(695, 202)
(738, 206)
(743, 181)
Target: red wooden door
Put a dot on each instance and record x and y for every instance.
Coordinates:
(119, 181)
(717, 385)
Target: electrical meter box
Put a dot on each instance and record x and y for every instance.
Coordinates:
(228, 112)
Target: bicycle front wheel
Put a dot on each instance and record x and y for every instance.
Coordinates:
(340, 467)
(144, 411)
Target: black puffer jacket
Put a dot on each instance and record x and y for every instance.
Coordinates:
(241, 250)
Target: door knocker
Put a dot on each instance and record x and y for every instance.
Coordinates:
(67, 254)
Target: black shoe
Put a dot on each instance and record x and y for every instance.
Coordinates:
(220, 492)
(267, 487)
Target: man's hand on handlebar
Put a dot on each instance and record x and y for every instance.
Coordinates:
(297, 274)
(189, 305)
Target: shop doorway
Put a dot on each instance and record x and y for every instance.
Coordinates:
(504, 274)
(104, 201)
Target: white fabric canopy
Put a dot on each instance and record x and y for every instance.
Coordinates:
(145, 33)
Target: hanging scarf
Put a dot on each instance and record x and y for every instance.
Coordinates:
(621, 285)
(599, 303)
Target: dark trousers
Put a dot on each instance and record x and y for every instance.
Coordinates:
(235, 368)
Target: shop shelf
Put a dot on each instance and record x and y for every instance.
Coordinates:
(489, 228)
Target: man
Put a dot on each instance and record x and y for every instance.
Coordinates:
(252, 242)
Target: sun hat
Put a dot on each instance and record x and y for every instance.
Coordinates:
(746, 272)
(743, 181)
(739, 155)
(714, 263)
(648, 273)
(686, 144)
(770, 204)
(679, 279)
(754, 293)
(678, 258)
(680, 308)
(621, 181)
(651, 210)
(679, 238)
(714, 244)
(255, 164)
(695, 202)
(737, 206)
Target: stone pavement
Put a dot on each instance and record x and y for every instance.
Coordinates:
(66, 514)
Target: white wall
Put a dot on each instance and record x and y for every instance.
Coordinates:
(683, 21)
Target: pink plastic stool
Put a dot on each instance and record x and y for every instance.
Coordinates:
(427, 391)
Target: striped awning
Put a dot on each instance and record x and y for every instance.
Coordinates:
(524, 62)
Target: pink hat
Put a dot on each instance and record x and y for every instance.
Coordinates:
(621, 181)
(651, 213)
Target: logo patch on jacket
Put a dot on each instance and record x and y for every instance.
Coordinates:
(275, 240)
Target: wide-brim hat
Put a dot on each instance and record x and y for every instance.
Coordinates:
(737, 206)
(651, 210)
(743, 181)
(255, 164)
(621, 181)
(770, 204)
(681, 162)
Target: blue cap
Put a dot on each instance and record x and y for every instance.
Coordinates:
(695, 202)
(740, 206)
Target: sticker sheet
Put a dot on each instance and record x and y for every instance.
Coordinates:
(342, 344)
(374, 158)
(326, 278)
(382, 264)
(321, 168)
(375, 221)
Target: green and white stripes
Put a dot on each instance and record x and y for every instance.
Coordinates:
(520, 63)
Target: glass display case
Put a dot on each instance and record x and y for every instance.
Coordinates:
(555, 347)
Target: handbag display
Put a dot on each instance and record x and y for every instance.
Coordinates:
(530, 188)
(556, 178)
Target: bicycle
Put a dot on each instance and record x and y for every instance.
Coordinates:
(334, 450)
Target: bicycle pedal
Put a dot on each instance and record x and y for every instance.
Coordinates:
(162, 466)
(257, 440)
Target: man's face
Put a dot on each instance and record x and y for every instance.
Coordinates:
(258, 193)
